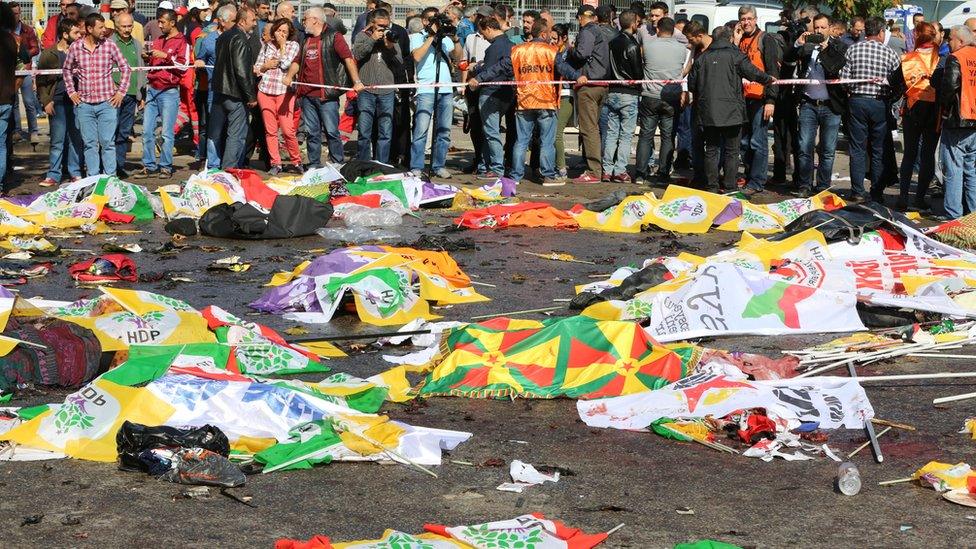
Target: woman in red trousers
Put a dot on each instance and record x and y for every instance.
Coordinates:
(275, 96)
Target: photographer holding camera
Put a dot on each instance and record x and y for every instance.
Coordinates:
(818, 57)
(380, 63)
(430, 49)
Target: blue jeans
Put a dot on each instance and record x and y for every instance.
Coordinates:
(123, 130)
(378, 107)
(526, 121)
(813, 117)
(683, 131)
(65, 141)
(755, 145)
(161, 106)
(232, 113)
(96, 122)
(492, 110)
(442, 134)
(318, 116)
(621, 121)
(27, 95)
(215, 140)
(959, 169)
(6, 126)
(867, 124)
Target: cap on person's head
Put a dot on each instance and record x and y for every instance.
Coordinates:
(585, 10)
(181, 10)
(603, 13)
(104, 8)
(119, 5)
(88, 3)
(199, 4)
(166, 5)
(485, 11)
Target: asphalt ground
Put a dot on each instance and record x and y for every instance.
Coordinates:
(610, 477)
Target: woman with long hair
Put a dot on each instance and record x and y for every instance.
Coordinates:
(920, 114)
(275, 96)
(559, 37)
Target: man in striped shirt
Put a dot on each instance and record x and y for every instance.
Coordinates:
(868, 105)
(95, 95)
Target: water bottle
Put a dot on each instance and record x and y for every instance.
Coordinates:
(848, 479)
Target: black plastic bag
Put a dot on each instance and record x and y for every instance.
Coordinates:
(289, 217)
(133, 439)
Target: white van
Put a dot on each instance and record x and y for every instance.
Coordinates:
(711, 14)
(959, 15)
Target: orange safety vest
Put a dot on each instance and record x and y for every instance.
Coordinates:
(535, 62)
(917, 69)
(750, 45)
(967, 68)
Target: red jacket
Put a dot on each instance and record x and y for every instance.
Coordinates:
(28, 39)
(176, 49)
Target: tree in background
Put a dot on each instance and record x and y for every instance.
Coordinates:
(849, 8)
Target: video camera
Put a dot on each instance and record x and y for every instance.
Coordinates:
(797, 27)
(445, 27)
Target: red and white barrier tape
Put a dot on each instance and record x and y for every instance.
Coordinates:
(782, 82)
(37, 72)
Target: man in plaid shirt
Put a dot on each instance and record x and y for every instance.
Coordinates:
(869, 105)
(95, 95)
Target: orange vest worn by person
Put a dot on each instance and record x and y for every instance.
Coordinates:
(917, 68)
(751, 46)
(535, 62)
(967, 69)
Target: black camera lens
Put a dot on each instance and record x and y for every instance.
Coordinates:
(390, 36)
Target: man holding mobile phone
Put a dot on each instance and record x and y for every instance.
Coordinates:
(819, 57)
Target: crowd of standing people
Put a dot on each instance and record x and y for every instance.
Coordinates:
(245, 78)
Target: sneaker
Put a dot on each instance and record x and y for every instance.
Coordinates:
(940, 218)
(620, 178)
(165, 174)
(563, 173)
(857, 198)
(274, 171)
(740, 182)
(751, 191)
(488, 176)
(48, 182)
(443, 173)
(145, 174)
(553, 182)
(802, 192)
(294, 168)
(606, 178)
(587, 177)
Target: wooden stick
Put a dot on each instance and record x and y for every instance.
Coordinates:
(527, 311)
(893, 424)
(943, 400)
(865, 445)
(896, 481)
(615, 528)
(868, 426)
(908, 377)
(473, 283)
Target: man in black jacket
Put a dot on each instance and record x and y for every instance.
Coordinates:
(591, 55)
(626, 63)
(819, 57)
(234, 88)
(715, 82)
